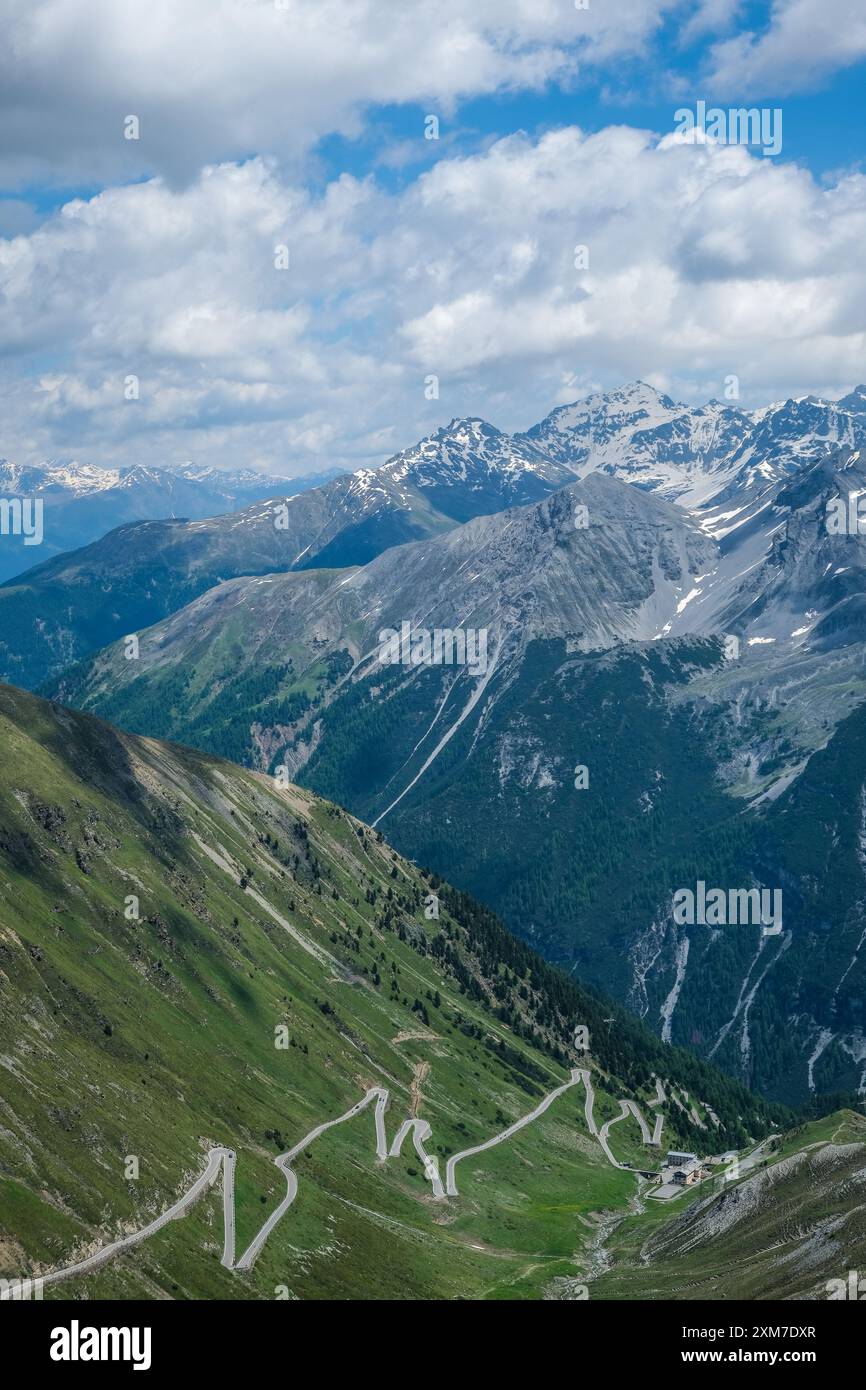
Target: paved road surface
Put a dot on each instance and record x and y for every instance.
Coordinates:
(633, 1107)
(283, 1162)
(420, 1131)
(228, 1255)
(451, 1186)
(215, 1161)
(605, 1130)
(223, 1160)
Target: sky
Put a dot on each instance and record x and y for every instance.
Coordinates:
(339, 224)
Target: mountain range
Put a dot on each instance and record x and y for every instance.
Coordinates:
(222, 974)
(141, 573)
(604, 651)
(614, 556)
(81, 502)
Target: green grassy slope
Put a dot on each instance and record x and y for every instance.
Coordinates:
(783, 1231)
(586, 876)
(154, 1038)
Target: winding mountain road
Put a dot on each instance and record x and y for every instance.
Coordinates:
(605, 1130)
(217, 1159)
(283, 1162)
(420, 1132)
(222, 1160)
(600, 1134)
(450, 1184)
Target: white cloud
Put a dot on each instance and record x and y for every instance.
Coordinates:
(704, 260)
(805, 42)
(710, 17)
(218, 79)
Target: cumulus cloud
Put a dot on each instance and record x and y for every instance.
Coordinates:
(804, 42)
(703, 260)
(212, 80)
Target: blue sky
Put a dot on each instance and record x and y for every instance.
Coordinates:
(822, 129)
(301, 124)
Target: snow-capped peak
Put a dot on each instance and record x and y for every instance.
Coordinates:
(474, 453)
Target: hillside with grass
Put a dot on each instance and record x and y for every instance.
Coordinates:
(777, 1233)
(193, 957)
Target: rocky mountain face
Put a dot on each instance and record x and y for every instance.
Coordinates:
(646, 691)
(470, 468)
(607, 615)
(138, 575)
(203, 969)
(595, 564)
(641, 435)
(702, 457)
